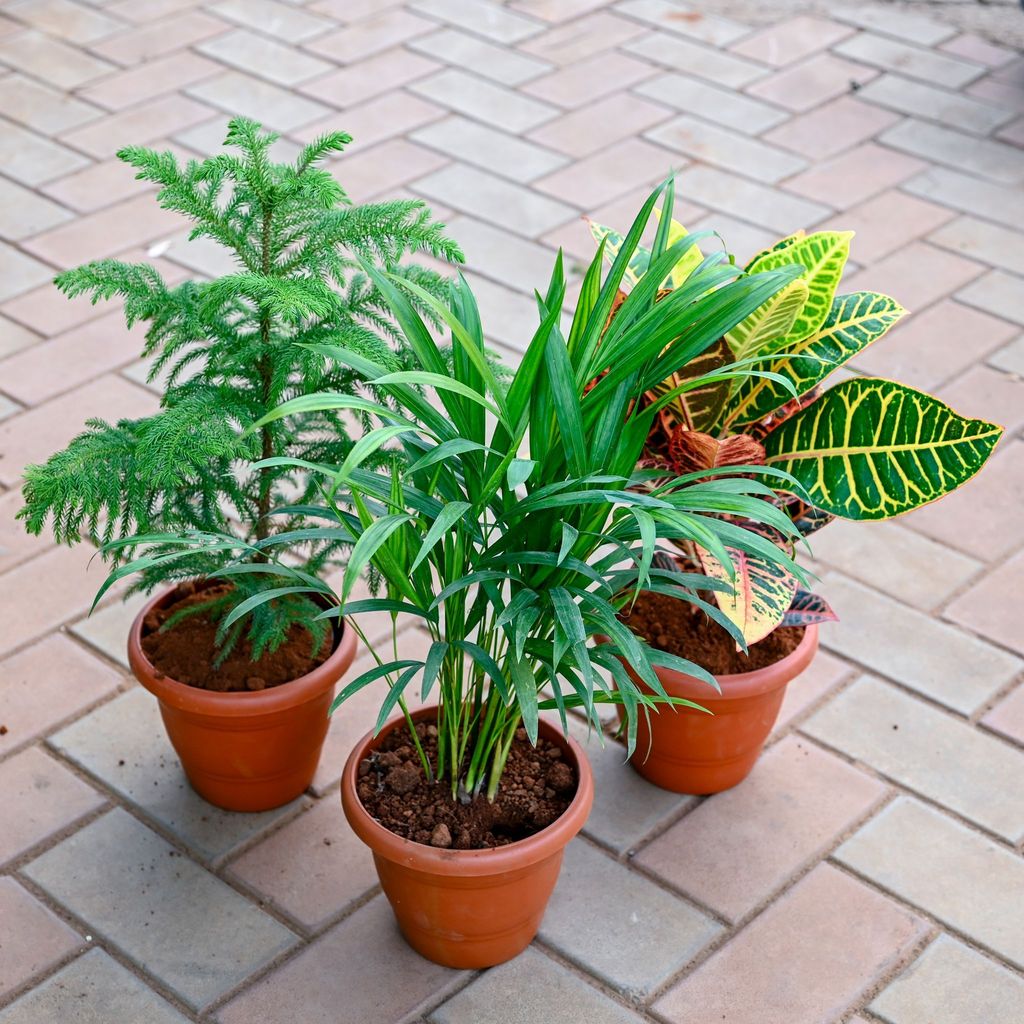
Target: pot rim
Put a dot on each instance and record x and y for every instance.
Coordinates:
(515, 856)
(236, 703)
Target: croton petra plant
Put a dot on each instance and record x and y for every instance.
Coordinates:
(865, 448)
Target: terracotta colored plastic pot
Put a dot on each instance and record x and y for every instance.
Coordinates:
(688, 751)
(246, 751)
(468, 908)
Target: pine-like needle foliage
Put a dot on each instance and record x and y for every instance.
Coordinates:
(232, 349)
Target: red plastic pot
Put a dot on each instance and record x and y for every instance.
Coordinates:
(468, 908)
(688, 751)
(245, 751)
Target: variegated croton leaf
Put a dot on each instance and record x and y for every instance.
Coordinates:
(808, 608)
(641, 258)
(699, 407)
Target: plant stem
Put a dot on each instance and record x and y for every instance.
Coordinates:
(265, 367)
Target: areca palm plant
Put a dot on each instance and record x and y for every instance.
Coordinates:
(514, 523)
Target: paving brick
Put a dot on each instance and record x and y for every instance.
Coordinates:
(41, 797)
(125, 746)
(509, 317)
(669, 17)
(312, 869)
(916, 275)
(979, 50)
(996, 90)
(768, 207)
(241, 94)
(370, 78)
(634, 937)
(96, 186)
(1007, 717)
(997, 292)
(950, 872)
(51, 60)
(929, 348)
(886, 222)
(944, 663)
(741, 238)
(139, 12)
(502, 202)
(1013, 132)
(255, 53)
(674, 52)
(592, 34)
(283, 21)
(382, 169)
(855, 175)
(951, 982)
(821, 677)
(926, 750)
(1010, 358)
(582, 83)
(985, 392)
(986, 157)
(24, 212)
(912, 61)
(394, 113)
(70, 359)
(781, 819)
(982, 240)
(35, 435)
(829, 129)
(556, 10)
(812, 82)
(19, 272)
(731, 109)
(16, 544)
(106, 629)
(544, 990)
(94, 989)
(807, 958)
(988, 606)
(179, 923)
(41, 107)
(900, 24)
(601, 124)
(47, 683)
(156, 38)
(73, 22)
(463, 50)
(599, 178)
(512, 261)
(492, 104)
(709, 144)
(482, 17)
(351, 10)
(510, 156)
(31, 159)
(950, 108)
(36, 938)
(362, 39)
(355, 966)
(789, 41)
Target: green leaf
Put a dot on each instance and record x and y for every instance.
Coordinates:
(432, 666)
(519, 471)
(613, 240)
(688, 262)
(369, 542)
(873, 449)
(449, 515)
(765, 327)
(525, 685)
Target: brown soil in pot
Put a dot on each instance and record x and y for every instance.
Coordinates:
(536, 788)
(187, 651)
(678, 627)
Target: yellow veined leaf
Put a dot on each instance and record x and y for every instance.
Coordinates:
(688, 262)
(639, 262)
(782, 243)
(761, 594)
(854, 322)
(873, 449)
(823, 256)
(771, 323)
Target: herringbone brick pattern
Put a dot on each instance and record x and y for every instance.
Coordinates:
(871, 867)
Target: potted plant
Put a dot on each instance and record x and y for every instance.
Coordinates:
(514, 527)
(244, 702)
(864, 449)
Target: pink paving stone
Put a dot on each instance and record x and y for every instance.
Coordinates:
(313, 868)
(364, 38)
(602, 177)
(394, 113)
(855, 175)
(887, 222)
(369, 78)
(361, 965)
(928, 348)
(47, 683)
(806, 959)
(992, 607)
(40, 797)
(152, 79)
(582, 83)
(46, 311)
(830, 129)
(822, 676)
(980, 50)
(15, 543)
(987, 393)
(1013, 132)
(160, 37)
(33, 938)
(1007, 717)
(97, 186)
(812, 82)
(71, 359)
(580, 39)
(916, 275)
(384, 168)
(34, 435)
(791, 40)
(737, 848)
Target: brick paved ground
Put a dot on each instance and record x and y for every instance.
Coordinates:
(871, 867)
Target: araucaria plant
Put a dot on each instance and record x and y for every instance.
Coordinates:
(512, 523)
(232, 349)
(863, 449)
